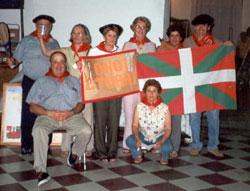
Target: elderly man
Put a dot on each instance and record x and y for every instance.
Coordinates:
(56, 100)
(202, 36)
(35, 65)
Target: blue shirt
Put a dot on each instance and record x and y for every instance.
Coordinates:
(28, 51)
(52, 95)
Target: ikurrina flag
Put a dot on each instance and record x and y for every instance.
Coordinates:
(193, 79)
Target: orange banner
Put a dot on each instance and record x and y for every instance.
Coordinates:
(108, 76)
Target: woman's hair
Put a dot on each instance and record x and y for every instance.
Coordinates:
(111, 27)
(86, 33)
(58, 52)
(177, 28)
(152, 82)
(141, 19)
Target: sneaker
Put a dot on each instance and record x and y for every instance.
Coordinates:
(194, 152)
(43, 177)
(71, 160)
(216, 153)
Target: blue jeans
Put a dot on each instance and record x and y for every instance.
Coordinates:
(165, 149)
(213, 129)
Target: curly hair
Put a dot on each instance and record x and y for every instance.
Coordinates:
(141, 19)
(152, 82)
(177, 28)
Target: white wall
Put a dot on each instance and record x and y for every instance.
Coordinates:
(93, 13)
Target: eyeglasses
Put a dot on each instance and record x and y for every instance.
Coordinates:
(140, 27)
(77, 33)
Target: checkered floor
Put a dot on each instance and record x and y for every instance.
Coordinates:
(186, 173)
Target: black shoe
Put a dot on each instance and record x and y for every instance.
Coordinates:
(26, 151)
(43, 177)
(71, 159)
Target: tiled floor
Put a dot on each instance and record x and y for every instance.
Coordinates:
(201, 173)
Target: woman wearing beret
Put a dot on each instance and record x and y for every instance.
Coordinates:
(140, 27)
(80, 39)
(107, 112)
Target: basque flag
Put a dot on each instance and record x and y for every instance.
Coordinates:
(193, 79)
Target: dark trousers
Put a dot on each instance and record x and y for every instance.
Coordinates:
(27, 118)
(107, 116)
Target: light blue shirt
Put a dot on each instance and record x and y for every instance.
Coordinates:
(28, 51)
(52, 95)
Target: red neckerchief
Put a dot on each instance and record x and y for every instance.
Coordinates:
(134, 40)
(101, 47)
(158, 102)
(34, 34)
(61, 78)
(83, 48)
(163, 43)
(208, 39)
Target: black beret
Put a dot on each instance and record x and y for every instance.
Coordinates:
(203, 19)
(47, 17)
(111, 26)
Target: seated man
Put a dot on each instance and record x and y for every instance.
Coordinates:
(56, 100)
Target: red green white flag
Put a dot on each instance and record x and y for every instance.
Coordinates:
(193, 79)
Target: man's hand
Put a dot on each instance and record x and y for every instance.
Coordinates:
(60, 115)
(11, 62)
(228, 43)
(39, 33)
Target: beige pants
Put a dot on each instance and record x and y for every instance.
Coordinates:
(76, 126)
(88, 115)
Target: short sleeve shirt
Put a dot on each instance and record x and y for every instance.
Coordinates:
(52, 95)
(28, 51)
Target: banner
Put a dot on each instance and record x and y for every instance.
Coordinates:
(108, 76)
(193, 79)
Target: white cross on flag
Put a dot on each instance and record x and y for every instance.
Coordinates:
(193, 79)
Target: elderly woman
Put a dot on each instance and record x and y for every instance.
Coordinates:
(107, 112)
(175, 35)
(140, 27)
(80, 39)
(151, 124)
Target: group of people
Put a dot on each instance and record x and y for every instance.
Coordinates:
(52, 97)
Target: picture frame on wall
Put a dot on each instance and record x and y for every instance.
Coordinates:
(11, 116)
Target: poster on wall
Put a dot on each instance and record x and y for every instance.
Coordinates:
(11, 116)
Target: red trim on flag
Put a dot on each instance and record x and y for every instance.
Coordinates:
(199, 54)
(203, 103)
(172, 58)
(106, 55)
(229, 60)
(144, 71)
(228, 88)
(176, 106)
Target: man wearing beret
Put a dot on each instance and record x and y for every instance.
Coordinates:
(202, 36)
(35, 65)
